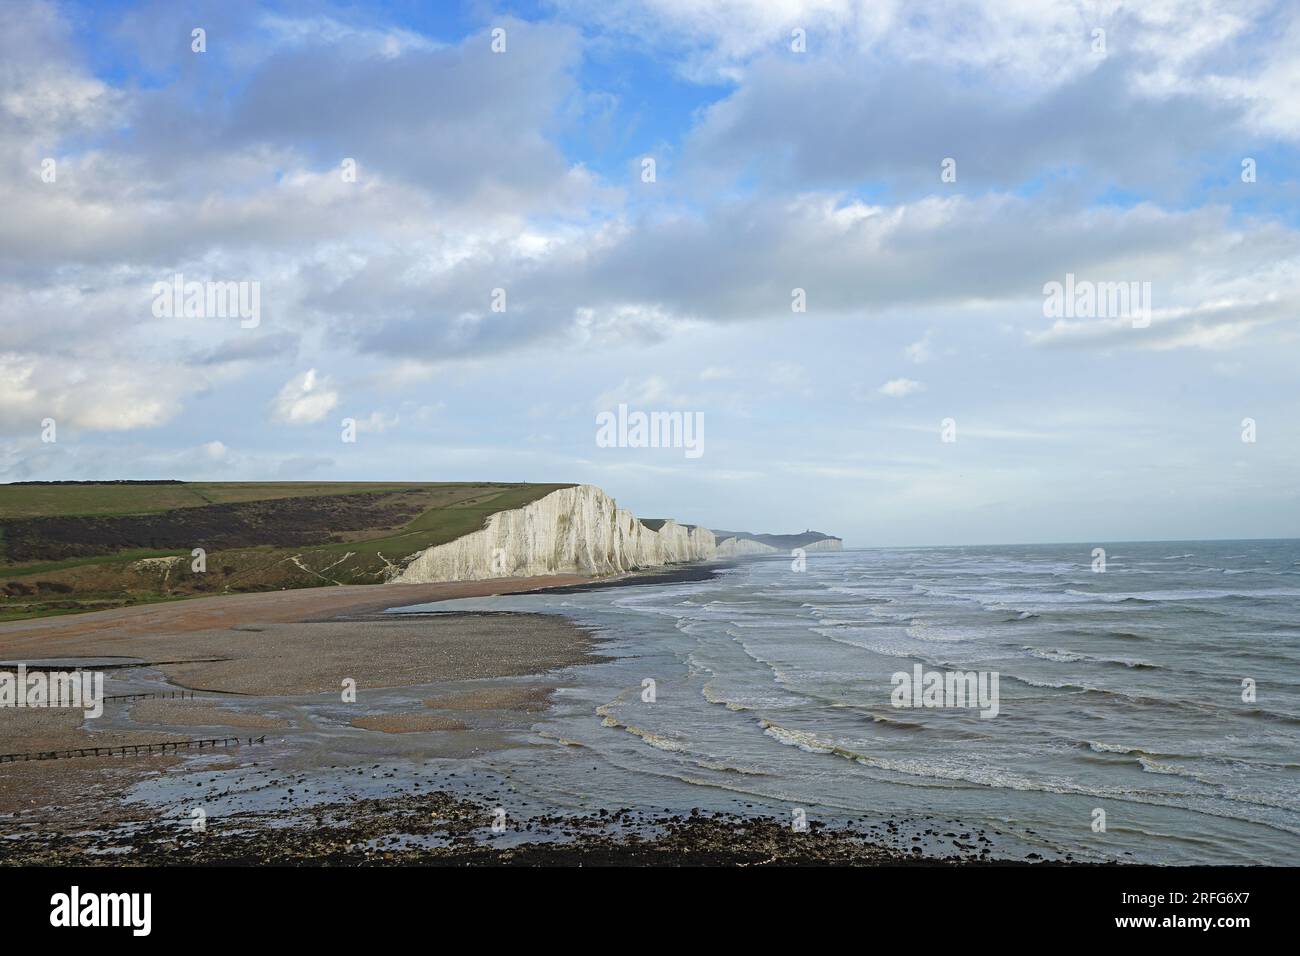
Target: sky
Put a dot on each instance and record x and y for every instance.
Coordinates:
(824, 230)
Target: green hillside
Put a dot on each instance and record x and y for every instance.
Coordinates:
(73, 547)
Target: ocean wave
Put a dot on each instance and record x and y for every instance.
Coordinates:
(1151, 765)
(1189, 594)
(860, 622)
(1051, 685)
(1160, 763)
(807, 742)
(1279, 716)
(1091, 633)
(1097, 746)
(1049, 654)
(1179, 799)
(658, 741)
(563, 741)
(1127, 750)
(728, 768)
(1072, 657)
(982, 775)
(893, 723)
(708, 694)
(1017, 617)
(924, 631)
(1146, 700)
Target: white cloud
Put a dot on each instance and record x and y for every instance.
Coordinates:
(787, 375)
(304, 399)
(900, 387)
(216, 450)
(651, 391)
(919, 351)
(1025, 47)
(377, 423)
(1132, 159)
(106, 396)
(361, 41)
(1218, 324)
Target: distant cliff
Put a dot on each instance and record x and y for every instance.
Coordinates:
(733, 547)
(745, 542)
(82, 546)
(574, 530)
(581, 530)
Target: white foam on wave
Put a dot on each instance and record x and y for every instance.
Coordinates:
(979, 774)
(1051, 654)
(1103, 748)
(1188, 594)
(1073, 657)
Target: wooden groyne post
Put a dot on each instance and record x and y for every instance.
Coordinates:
(133, 749)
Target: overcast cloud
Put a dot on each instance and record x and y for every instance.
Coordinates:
(498, 269)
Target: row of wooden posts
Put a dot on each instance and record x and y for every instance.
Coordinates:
(137, 748)
(134, 748)
(161, 695)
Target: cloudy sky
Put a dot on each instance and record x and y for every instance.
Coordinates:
(797, 144)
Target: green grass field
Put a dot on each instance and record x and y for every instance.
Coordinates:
(30, 501)
(65, 548)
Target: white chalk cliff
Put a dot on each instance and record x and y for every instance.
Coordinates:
(736, 547)
(825, 544)
(578, 530)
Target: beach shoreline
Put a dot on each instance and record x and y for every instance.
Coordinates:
(64, 635)
(438, 692)
(447, 828)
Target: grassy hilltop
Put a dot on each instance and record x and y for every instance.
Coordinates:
(75, 547)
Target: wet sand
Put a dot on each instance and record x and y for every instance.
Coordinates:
(201, 713)
(276, 645)
(408, 723)
(522, 699)
(396, 651)
(160, 631)
(49, 788)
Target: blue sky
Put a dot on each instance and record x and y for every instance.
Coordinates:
(775, 170)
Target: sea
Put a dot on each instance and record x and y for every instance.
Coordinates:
(1148, 712)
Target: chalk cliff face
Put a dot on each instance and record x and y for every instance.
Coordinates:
(825, 544)
(735, 547)
(578, 530)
